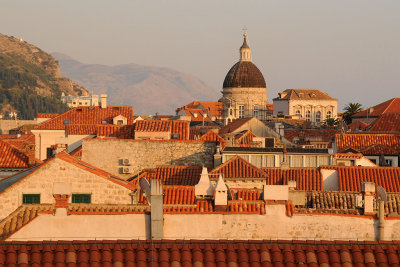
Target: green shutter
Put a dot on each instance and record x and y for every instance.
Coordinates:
(31, 198)
(81, 198)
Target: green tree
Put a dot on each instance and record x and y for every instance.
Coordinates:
(331, 122)
(350, 110)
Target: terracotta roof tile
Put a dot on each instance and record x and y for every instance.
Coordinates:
(323, 135)
(47, 115)
(348, 156)
(390, 106)
(246, 193)
(118, 131)
(233, 126)
(178, 175)
(87, 115)
(304, 94)
(237, 167)
(196, 114)
(306, 178)
(212, 136)
(11, 157)
(388, 122)
(25, 144)
(213, 108)
(350, 178)
(362, 141)
(199, 253)
(358, 126)
(181, 128)
(80, 129)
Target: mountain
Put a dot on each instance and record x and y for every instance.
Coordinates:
(30, 80)
(148, 89)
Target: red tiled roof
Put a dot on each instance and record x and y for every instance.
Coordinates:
(80, 129)
(212, 136)
(304, 94)
(390, 106)
(194, 133)
(324, 135)
(206, 253)
(47, 115)
(87, 115)
(77, 152)
(196, 114)
(245, 138)
(362, 141)
(237, 167)
(348, 156)
(379, 149)
(179, 195)
(213, 108)
(119, 131)
(11, 157)
(388, 122)
(306, 178)
(234, 125)
(246, 193)
(350, 178)
(358, 126)
(175, 127)
(178, 175)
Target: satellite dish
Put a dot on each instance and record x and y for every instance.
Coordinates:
(145, 187)
(381, 193)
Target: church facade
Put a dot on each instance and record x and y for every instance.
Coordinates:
(244, 92)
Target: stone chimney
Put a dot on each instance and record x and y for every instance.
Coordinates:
(220, 195)
(368, 190)
(204, 188)
(103, 101)
(61, 194)
(157, 209)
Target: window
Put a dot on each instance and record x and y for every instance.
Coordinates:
(255, 111)
(328, 115)
(81, 198)
(298, 113)
(308, 115)
(66, 121)
(241, 111)
(318, 116)
(120, 122)
(31, 198)
(389, 162)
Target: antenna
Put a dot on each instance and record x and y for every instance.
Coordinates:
(381, 193)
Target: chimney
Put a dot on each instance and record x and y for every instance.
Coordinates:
(220, 195)
(285, 163)
(157, 209)
(368, 190)
(204, 188)
(103, 101)
(292, 184)
(61, 194)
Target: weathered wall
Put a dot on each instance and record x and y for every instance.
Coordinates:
(274, 225)
(85, 227)
(144, 154)
(41, 182)
(7, 125)
(330, 180)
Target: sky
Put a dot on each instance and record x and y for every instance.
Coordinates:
(349, 49)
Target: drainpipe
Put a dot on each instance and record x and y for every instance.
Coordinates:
(381, 217)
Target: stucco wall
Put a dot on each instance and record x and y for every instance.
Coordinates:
(85, 227)
(41, 182)
(274, 225)
(144, 154)
(7, 125)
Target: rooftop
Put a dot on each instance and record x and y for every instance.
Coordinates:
(390, 106)
(304, 94)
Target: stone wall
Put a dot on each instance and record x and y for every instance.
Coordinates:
(7, 125)
(145, 154)
(41, 182)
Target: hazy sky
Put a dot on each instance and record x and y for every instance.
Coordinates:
(347, 48)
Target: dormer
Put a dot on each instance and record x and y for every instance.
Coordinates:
(220, 195)
(204, 188)
(120, 120)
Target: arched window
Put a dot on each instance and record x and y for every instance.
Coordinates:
(298, 113)
(328, 115)
(308, 115)
(318, 116)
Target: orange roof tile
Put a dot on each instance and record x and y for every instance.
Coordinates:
(246, 193)
(87, 115)
(379, 149)
(119, 131)
(181, 128)
(179, 195)
(213, 108)
(197, 114)
(80, 129)
(304, 94)
(212, 136)
(237, 167)
(11, 157)
(306, 178)
(245, 139)
(323, 135)
(362, 141)
(390, 106)
(358, 126)
(178, 175)
(234, 125)
(350, 178)
(47, 115)
(348, 156)
(388, 122)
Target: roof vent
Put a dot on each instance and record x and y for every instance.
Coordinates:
(66, 122)
(91, 107)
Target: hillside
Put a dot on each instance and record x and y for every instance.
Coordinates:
(30, 80)
(148, 89)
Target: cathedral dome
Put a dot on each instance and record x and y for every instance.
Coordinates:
(244, 74)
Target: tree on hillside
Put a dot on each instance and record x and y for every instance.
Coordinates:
(350, 110)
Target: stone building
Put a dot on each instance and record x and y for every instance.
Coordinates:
(244, 92)
(310, 104)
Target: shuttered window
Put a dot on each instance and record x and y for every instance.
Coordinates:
(81, 198)
(31, 198)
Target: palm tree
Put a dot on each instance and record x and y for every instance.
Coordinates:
(350, 110)
(331, 122)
